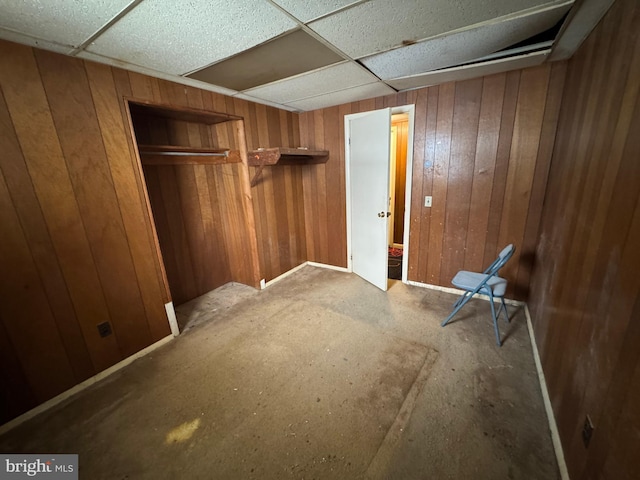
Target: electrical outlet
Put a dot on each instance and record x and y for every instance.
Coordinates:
(587, 431)
(427, 201)
(104, 329)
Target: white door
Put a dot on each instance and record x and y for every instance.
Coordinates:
(368, 184)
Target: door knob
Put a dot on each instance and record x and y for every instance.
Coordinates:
(388, 214)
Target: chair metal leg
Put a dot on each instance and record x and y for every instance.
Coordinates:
(506, 312)
(461, 302)
(466, 296)
(495, 321)
(460, 299)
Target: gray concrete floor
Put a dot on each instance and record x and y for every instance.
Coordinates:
(320, 376)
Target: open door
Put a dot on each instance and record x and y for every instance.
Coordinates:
(368, 150)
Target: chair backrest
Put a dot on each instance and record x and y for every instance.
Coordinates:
(499, 262)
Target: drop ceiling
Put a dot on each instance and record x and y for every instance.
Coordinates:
(303, 55)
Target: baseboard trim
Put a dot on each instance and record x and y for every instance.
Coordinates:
(173, 321)
(284, 275)
(81, 386)
(328, 267)
(555, 436)
(456, 291)
(301, 266)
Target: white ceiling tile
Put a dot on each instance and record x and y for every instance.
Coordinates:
(67, 22)
(353, 94)
(464, 46)
(307, 11)
(317, 82)
(179, 37)
(374, 26)
(469, 71)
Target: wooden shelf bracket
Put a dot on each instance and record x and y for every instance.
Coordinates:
(266, 157)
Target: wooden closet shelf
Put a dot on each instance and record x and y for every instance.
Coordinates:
(286, 156)
(175, 155)
(173, 112)
(267, 157)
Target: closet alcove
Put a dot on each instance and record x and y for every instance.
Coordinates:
(194, 165)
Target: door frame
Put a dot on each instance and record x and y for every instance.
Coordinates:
(410, 110)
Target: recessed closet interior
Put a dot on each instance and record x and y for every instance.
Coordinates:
(196, 177)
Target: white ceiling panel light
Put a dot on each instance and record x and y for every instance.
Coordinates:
(317, 82)
(353, 94)
(469, 71)
(463, 46)
(62, 23)
(179, 37)
(307, 11)
(290, 54)
(374, 26)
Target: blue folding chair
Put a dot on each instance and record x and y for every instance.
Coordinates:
(487, 283)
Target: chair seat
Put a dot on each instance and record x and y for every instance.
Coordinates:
(470, 280)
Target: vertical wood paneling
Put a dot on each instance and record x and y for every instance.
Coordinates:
(423, 165)
(13, 401)
(334, 191)
(540, 178)
(464, 137)
(78, 237)
(433, 248)
(263, 205)
(481, 150)
(122, 83)
(37, 235)
(492, 247)
(65, 83)
(155, 191)
(246, 250)
(278, 201)
(585, 288)
(199, 210)
(124, 170)
(320, 172)
(25, 295)
(311, 194)
(484, 170)
(522, 163)
(46, 166)
(401, 179)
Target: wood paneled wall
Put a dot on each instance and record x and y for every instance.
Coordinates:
(76, 248)
(78, 245)
(278, 203)
(190, 205)
(586, 288)
(482, 149)
(402, 138)
(278, 198)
